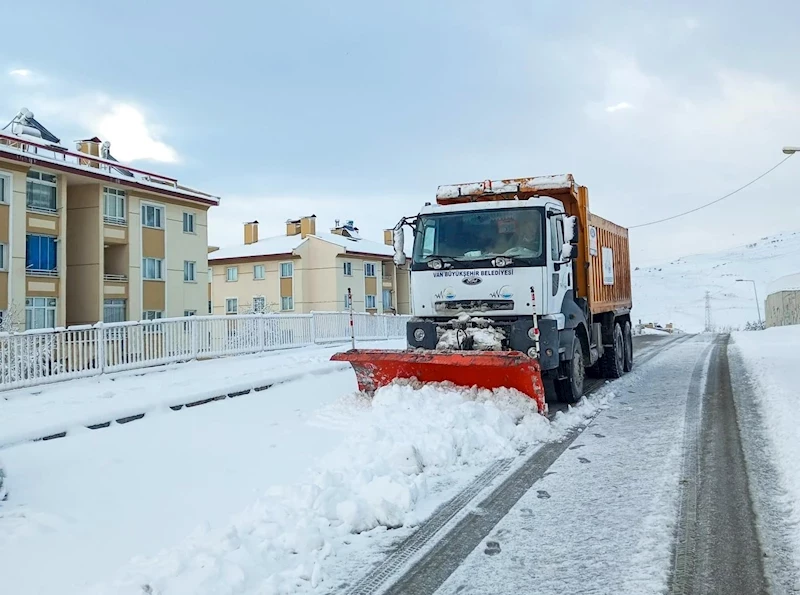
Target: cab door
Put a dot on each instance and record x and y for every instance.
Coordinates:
(559, 271)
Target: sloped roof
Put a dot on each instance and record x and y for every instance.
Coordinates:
(277, 245)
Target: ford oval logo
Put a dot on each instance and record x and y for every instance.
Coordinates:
(471, 280)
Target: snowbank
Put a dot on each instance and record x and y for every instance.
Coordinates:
(378, 478)
(771, 359)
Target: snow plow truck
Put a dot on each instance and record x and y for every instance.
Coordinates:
(514, 283)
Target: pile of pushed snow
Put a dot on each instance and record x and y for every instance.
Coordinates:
(376, 479)
(3, 489)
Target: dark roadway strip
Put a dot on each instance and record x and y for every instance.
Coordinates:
(717, 546)
(438, 563)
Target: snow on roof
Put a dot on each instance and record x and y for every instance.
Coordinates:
(357, 244)
(267, 247)
(287, 244)
(787, 283)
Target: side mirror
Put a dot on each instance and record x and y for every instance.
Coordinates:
(569, 252)
(398, 239)
(571, 230)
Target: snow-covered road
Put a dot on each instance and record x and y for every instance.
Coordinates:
(307, 488)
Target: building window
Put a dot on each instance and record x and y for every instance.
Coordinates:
(287, 268)
(232, 306)
(152, 314)
(369, 269)
(348, 269)
(40, 312)
(232, 274)
(189, 270)
(369, 302)
(387, 298)
(258, 272)
(114, 310)
(114, 206)
(3, 257)
(188, 223)
(40, 254)
(287, 303)
(347, 302)
(190, 312)
(153, 269)
(41, 192)
(5, 189)
(259, 304)
(210, 307)
(153, 216)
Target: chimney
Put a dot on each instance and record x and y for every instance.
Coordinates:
(90, 146)
(292, 227)
(388, 237)
(308, 226)
(251, 232)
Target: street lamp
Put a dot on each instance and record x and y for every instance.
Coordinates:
(791, 150)
(755, 291)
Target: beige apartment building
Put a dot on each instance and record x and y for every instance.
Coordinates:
(84, 238)
(305, 271)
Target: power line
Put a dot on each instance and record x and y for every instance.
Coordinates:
(713, 202)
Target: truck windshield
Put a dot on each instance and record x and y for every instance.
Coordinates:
(468, 238)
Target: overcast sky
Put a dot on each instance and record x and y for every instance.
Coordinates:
(359, 109)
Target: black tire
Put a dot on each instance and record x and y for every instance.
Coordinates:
(613, 361)
(627, 337)
(570, 387)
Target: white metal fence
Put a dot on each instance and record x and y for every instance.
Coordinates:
(42, 356)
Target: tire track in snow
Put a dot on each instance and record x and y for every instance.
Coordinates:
(427, 557)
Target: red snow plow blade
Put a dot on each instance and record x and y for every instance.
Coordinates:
(375, 368)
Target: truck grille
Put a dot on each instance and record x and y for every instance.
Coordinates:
(473, 306)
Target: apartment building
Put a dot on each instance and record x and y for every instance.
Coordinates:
(304, 271)
(84, 238)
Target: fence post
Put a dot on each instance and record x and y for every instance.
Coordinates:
(385, 327)
(262, 331)
(194, 321)
(313, 327)
(100, 339)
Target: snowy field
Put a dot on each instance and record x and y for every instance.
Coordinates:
(771, 358)
(675, 291)
(269, 492)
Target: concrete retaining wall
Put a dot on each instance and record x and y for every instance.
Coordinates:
(782, 308)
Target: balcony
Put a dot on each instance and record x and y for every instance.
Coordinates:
(41, 272)
(115, 278)
(115, 220)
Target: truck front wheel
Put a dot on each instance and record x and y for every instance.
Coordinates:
(569, 386)
(612, 363)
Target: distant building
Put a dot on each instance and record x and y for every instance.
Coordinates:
(304, 271)
(84, 238)
(783, 301)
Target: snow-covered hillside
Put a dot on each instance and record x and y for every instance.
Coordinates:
(675, 291)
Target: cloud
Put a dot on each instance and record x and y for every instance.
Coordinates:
(620, 106)
(691, 23)
(132, 134)
(132, 137)
(20, 72)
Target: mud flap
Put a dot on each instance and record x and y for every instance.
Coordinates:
(375, 368)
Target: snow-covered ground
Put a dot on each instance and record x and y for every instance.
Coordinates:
(771, 358)
(264, 493)
(675, 291)
(31, 413)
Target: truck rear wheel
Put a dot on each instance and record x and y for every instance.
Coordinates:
(570, 386)
(627, 337)
(613, 361)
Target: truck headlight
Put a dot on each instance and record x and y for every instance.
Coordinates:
(419, 334)
(532, 352)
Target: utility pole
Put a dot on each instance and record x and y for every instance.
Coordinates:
(709, 325)
(758, 304)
